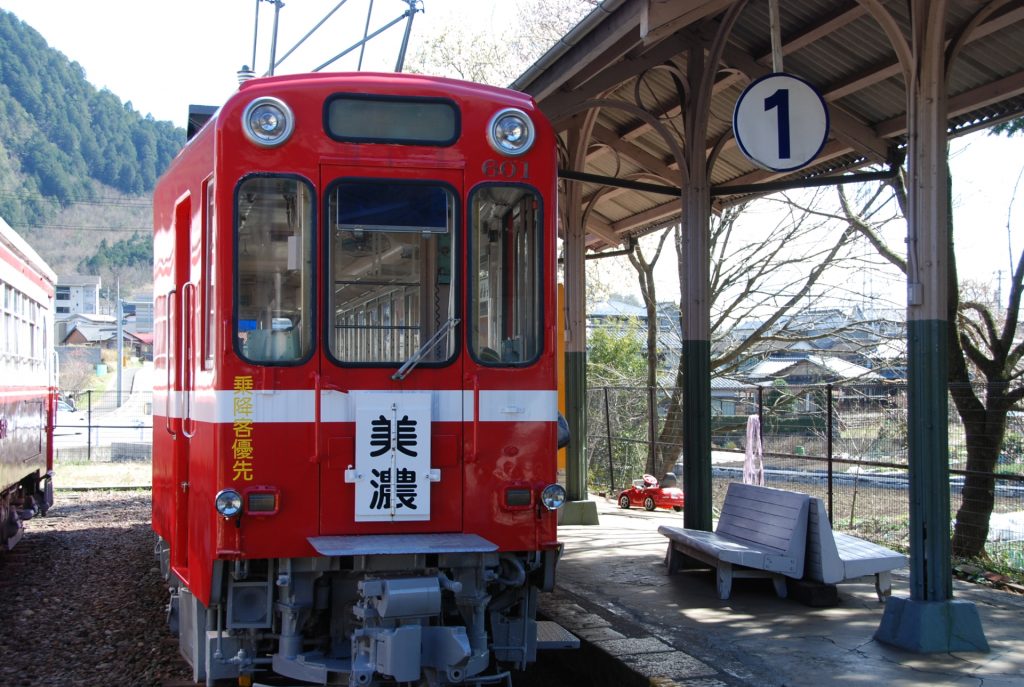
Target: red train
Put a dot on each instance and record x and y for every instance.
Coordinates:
(28, 387)
(355, 413)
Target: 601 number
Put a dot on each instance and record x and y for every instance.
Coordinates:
(506, 169)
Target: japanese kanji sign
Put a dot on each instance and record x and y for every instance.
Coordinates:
(392, 472)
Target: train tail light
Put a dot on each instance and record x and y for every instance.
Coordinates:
(511, 132)
(268, 122)
(518, 497)
(261, 502)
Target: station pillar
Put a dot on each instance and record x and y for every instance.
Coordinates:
(930, 620)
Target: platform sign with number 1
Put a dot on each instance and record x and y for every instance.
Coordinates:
(780, 122)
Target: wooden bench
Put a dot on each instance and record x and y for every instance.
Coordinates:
(762, 532)
(834, 557)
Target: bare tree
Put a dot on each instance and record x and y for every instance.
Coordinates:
(648, 289)
(497, 59)
(986, 373)
(76, 371)
(766, 280)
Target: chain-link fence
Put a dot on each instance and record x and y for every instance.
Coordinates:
(844, 444)
(100, 427)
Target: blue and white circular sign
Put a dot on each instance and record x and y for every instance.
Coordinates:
(780, 122)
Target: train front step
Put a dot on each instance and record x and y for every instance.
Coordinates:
(551, 635)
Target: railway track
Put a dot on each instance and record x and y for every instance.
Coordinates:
(81, 601)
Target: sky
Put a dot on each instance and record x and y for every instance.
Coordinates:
(987, 171)
(164, 56)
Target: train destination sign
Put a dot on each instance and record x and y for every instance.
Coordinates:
(780, 122)
(392, 472)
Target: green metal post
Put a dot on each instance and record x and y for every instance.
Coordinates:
(930, 620)
(578, 510)
(697, 309)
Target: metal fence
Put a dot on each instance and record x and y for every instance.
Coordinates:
(100, 427)
(845, 444)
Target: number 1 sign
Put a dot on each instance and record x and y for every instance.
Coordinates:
(780, 122)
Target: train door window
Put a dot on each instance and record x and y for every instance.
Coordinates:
(274, 279)
(505, 312)
(390, 271)
(209, 275)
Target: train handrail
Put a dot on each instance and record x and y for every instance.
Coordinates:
(171, 298)
(187, 375)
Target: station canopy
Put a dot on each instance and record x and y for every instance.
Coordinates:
(635, 52)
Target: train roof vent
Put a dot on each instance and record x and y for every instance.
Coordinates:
(198, 116)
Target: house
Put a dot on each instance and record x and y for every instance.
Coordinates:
(64, 326)
(104, 336)
(801, 370)
(627, 319)
(99, 335)
(142, 344)
(864, 337)
(138, 313)
(77, 293)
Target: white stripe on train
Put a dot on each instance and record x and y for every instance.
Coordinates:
(335, 406)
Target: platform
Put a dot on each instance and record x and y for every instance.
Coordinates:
(613, 593)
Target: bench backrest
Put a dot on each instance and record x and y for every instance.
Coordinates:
(767, 518)
(822, 558)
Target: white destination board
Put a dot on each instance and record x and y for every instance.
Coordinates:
(780, 122)
(392, 472)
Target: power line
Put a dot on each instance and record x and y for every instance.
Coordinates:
(142, 204)
(145, 229)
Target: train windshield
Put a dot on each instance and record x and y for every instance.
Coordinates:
(274, 280)
(390, 270)
(505, 256)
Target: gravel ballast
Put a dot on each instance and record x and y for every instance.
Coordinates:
(82, 601)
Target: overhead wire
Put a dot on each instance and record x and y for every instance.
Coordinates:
(141, 204)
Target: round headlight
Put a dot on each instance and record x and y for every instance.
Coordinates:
(511, 132)
(228, 503)
(553, 496)
(268, 122)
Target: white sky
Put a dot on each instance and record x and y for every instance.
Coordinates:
(988, 171)
(163, 56)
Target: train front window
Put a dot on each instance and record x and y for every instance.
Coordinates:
(274, 229)
(505, 264)
(390, 283)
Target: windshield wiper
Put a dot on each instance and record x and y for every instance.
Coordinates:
(415, 358)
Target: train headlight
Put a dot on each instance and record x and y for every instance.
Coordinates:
(268, 122)
(553, 496)
(228, 503)
(511, 132)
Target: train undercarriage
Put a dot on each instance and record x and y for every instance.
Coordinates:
(443, 615)
(30, 497)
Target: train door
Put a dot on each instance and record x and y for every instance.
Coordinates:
(180, 423)
(510, 351)
(393, 405)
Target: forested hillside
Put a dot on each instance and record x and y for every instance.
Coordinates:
(76, 164)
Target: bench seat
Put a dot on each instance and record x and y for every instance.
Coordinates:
(834, 557)
(762, 532)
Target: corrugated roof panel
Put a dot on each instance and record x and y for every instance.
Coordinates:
(876, 104)
(856, 54)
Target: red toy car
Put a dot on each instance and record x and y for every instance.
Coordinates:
(646, 492)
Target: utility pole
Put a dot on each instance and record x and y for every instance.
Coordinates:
(119, 313)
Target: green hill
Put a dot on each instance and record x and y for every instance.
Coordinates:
(77, 165)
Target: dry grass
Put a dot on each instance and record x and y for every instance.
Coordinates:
(70, 475)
